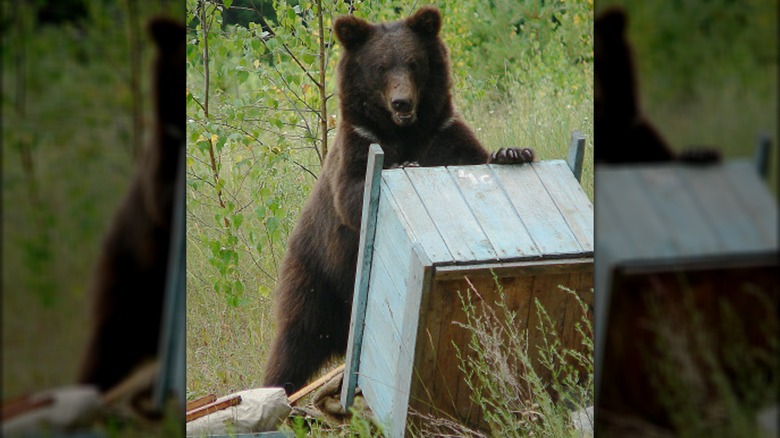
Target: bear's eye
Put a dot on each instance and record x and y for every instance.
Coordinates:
(412, 65)
(381, 68)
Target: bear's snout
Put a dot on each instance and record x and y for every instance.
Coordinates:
(402, 105)
(401, 98)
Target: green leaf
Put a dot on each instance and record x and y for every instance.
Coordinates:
(237, 220)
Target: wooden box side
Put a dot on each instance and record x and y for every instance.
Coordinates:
(438, 386)
(382, 350)
(680, 315)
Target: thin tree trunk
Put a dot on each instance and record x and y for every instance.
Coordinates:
(323, 94)
(205, 27)
(22, 16)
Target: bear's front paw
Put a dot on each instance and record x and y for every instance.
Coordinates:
(405, 164)
(512, 156)
(700, 156)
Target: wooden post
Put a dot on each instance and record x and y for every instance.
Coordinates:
(360, 297)
(763, 149)
(171, 380)
(576, 153)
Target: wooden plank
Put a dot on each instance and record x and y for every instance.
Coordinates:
(201, 401)
(384, 292)
(582, 285)
(445, 399)
(432, 393)
(485, 293)
(626, 219)
(552, 299)
(762, 154)
(382, 327)
(213, 407)
(365, 251)
(460, 336)
(451, 215)
(380, 322)
(373, 388)
(418, 287)
(426, 377)
(24, 404)
(576, 154)
(687, 226)
(755, 199)
(393, 244)
(379, 367)
(715, 196)
(493, 211)
(570, 199)
(537, 211)
(514, 269)
(315, 384)
(396, 185)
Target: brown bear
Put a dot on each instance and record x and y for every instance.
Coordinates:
(394, 88)
(128, 287)
(622, 135)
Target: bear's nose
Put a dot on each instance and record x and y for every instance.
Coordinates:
(402, 105)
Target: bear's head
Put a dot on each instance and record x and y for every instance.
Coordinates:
(615, 86)
(170, 79)
(393, 74)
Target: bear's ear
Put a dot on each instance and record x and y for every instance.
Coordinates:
(426, 21)
(351, 31)
(167, 33)
(612, 22)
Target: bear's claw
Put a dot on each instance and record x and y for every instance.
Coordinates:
(512, 156)
(405, 164)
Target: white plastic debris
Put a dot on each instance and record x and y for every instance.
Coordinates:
(260, 410)
(70, 407)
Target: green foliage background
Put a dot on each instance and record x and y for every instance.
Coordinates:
(67, 159)
(707, 71)
(522, 77)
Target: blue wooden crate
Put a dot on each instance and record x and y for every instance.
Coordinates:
(689, 240)
(424, 230)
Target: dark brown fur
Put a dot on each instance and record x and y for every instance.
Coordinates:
(622, 134)
(129, 283)
(394, 87)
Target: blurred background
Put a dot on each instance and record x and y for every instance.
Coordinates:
(707, 71)
(686, 255)
(77, 112)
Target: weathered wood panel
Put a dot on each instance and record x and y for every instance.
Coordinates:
(538, 212)
(439, 387)
(489, 205)
(396, 184)
(450, 214)
(570, 199)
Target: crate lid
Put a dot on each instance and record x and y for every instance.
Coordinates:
(678, 211)
(482, 213)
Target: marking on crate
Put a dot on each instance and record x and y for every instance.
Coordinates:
(483, 179)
